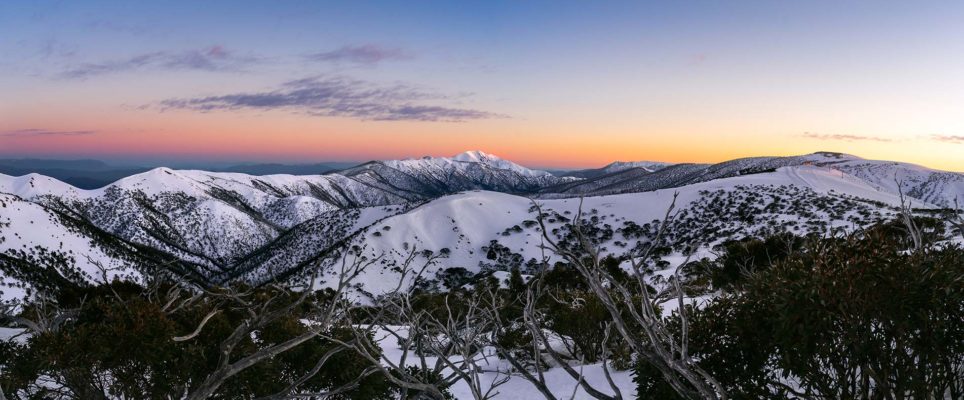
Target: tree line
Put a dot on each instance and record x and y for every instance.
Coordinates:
(874, 314)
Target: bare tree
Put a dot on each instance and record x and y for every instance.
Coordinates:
(531, 364)
(956, 219)
(445, 345)
(260, 313)
(906, 214)
(258, 308)
(46, 316)
(633, 310)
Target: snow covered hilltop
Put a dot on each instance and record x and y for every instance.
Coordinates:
(475, 227)
(215, 227)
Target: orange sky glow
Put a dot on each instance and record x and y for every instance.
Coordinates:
(547, 85)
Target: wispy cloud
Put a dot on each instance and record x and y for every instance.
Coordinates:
(340, 97)
(116, 26)
(844, 137)
(214, 58)
(364, 54)
(43, 132)
(956, 139)
(56, 48)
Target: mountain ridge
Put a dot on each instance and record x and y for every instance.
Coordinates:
(217, 226)
(470, 156)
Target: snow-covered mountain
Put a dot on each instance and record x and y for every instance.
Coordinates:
(924, 184)
(429, 177)
(482, 229)
(651, 166)
(211, 219)
(219, 219)
(616, 166)
(214, 227)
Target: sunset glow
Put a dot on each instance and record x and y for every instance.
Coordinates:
(546, 84)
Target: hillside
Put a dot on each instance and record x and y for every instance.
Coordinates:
(474, 206)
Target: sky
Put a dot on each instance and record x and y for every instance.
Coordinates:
(543, 83)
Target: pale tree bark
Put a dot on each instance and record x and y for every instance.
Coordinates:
(287, 299)
(449, 345)
(635, 317)
(47, 316)
(957, 218)
(907, 218)
(260, 314)
(534, 372)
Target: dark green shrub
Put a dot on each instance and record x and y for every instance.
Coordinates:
(120, 344)
(853, 317)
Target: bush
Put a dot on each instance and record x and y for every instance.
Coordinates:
(119, 344)
(580, 317)
(860, 316)
(743, 257)
(854, 317)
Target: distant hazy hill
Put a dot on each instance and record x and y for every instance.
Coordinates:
(84, 174)
(617, 166)
(287, 169)
(94, 174)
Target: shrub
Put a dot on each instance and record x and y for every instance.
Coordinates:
(119, 344)
(853, 317)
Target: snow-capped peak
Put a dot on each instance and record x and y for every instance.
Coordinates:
(33, 185)
(163, 179)
(476, 156)
(465, 159)
(493, 161)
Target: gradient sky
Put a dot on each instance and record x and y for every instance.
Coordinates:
(546, 84)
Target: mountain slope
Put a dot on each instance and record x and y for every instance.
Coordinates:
(433, 176)
(218, 220)
(616, 166)
(926, 185)
(934, 187)
(480, 230)
(215, 227)
(40, 244)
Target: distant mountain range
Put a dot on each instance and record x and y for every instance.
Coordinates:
(616, 166)
(93, 174)
(213, 227)
(286, 169)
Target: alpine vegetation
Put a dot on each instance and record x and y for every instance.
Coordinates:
(818, 276)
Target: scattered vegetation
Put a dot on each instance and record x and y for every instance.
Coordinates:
(792, 309)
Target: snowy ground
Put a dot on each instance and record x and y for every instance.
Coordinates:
(12, 333)
(517, 387)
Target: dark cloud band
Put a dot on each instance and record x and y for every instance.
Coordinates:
(339, 97)
(43, 132)
(214, 58)
(365, 54)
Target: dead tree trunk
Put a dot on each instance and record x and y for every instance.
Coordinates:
(634, 315)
